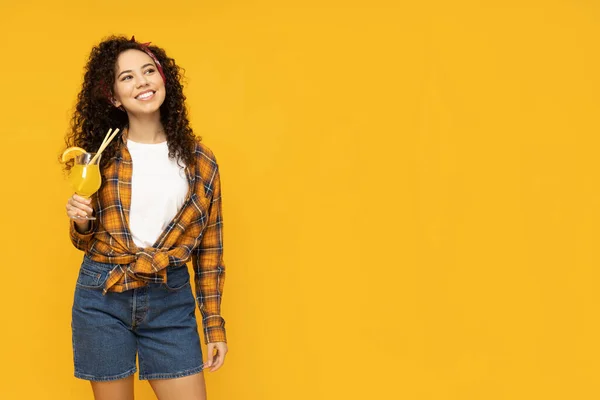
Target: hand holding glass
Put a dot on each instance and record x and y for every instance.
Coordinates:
(85, 176)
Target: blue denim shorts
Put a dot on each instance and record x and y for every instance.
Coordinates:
(156, 322)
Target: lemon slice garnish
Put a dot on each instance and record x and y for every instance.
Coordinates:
(72, 152)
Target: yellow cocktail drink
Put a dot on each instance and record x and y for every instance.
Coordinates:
(85, 179)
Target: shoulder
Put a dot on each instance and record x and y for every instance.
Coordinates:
(204, 155)
(207, 168)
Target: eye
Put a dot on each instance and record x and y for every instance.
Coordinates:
(126, 77)
(150, 70)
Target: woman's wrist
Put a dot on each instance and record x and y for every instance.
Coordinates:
(82, 226)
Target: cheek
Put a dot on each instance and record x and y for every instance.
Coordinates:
(163, 91)
(161, 85)
(122, 89)
(118, 91)
(163, 97)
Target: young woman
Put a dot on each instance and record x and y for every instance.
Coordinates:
(158, 207)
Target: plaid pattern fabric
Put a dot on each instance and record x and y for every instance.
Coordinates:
(196, 232)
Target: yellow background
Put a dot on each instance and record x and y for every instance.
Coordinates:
(411, 192)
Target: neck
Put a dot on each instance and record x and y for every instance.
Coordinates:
(146, 129)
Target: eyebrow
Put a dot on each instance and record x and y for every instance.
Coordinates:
(128, 70)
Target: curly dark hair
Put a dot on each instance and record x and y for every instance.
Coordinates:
(94, 114)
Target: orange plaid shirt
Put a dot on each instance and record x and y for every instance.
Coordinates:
(196, 232)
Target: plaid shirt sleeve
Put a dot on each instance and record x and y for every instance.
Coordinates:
(209, 268)
(82, 240)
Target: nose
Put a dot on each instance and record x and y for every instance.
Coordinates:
(141, 81)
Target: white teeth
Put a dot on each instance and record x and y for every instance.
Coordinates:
(145, 95)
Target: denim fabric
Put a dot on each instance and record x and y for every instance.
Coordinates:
(157, 322)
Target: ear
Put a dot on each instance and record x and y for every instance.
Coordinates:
(115, 102)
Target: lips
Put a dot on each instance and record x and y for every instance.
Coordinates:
(146, 95)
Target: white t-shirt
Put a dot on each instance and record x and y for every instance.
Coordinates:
(158, 189)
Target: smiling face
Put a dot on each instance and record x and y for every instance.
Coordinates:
(139, 88)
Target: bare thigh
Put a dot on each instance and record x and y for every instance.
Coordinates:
(121, 389)
(190, 387)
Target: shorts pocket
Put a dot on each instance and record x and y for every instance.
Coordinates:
(91, 279)
(177, 278)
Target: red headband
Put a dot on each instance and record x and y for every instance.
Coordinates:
(146, 50)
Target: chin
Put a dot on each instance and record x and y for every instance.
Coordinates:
(148, 110)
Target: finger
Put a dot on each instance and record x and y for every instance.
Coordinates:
(78, 217)
(218, 363)
(87, 210)
(80, 199)
(74, 212)
(81, 206)
(210, 355)
(220, 359)
(213, 367)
